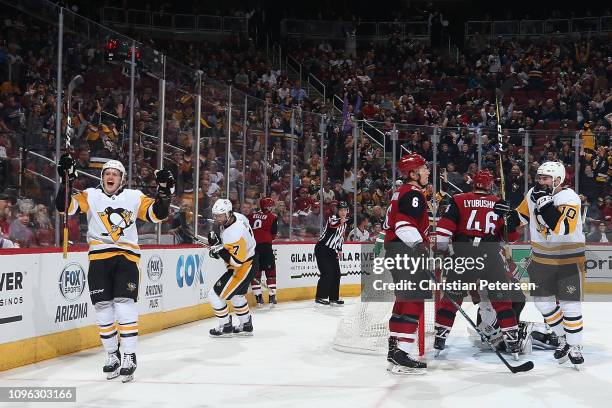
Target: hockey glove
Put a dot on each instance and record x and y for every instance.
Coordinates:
(214, 251)
(165, 183)
(501, 208)
(67, 166)
(213, 239)
(219, 251)
(541, 196)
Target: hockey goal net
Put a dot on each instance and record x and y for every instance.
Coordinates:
(365, 328)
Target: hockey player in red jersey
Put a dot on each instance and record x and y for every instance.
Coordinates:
(474, 224)
(264, 224)
(406, 226)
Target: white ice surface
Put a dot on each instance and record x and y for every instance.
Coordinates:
(290, 363)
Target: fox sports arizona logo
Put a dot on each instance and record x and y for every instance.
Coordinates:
(72, 281)
(155, 268)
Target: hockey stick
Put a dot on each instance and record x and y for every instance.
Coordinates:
(526, 366)
(198, 239)
(502, 180)
(76, 81)
(444, 178)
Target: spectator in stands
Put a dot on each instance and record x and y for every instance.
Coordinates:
(587, 138)
(600, 168)
(601, 235)
(5, 164)
(6, 202)
(452, 174)
(21, 230)
(607, 210)
(360, 233)
(44, 231)
(182, 223)
(312, 221)
(297, 93)
(242, 79)
(246, 209)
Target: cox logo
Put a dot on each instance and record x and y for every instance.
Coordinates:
(72, 281)
(187, 268)
(155, 268)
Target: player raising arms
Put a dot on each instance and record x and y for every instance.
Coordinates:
(558, 256)
(113, 275)
(236, 247)
(264, 224)
(406, 226)
(474, 227)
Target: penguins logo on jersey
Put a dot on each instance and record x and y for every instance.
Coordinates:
(541, 226)
(116, 220)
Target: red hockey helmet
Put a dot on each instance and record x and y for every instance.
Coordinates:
(266, 204)
(411, 162)
(483, 179)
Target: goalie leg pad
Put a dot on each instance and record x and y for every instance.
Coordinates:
(487, 314)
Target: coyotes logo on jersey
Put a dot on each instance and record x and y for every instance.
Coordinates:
(116, 220)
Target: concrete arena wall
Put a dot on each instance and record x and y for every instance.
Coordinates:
(45, 310)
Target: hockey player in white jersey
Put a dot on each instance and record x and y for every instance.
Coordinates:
(558, 256)
(236, 246)
(114, 254)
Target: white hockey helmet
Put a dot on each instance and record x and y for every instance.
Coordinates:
(114, 164)
(553, 169)
(222, 206)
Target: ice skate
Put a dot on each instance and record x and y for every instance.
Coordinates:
(402, 363)
(113, 363)
(128, 366)
(224, 330)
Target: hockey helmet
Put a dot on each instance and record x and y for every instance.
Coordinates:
(411, 162)
(114, 164)
(222, 206)
(266, 204)
(553, 169)
(483, 180)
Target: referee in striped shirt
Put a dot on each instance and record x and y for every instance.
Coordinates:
(327, 253)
